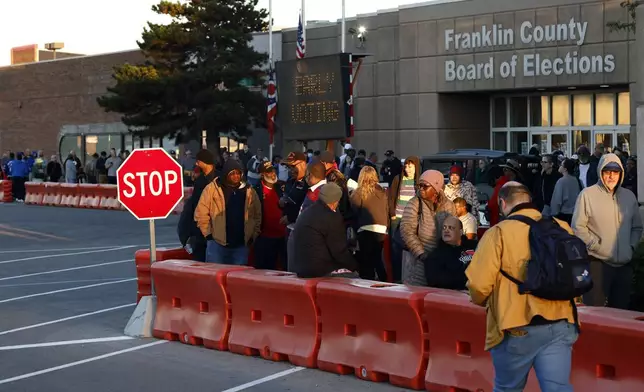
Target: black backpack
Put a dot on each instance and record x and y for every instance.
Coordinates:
(559, 266)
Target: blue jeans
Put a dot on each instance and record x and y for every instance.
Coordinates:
(547, 348)
(219, 254)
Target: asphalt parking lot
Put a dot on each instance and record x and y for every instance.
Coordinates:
(67, 289)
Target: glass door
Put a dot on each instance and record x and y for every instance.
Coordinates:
(559, 141)
(540, 140)
(605, 137)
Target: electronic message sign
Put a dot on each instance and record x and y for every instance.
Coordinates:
(313, 97)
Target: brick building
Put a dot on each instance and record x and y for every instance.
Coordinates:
(51, 103)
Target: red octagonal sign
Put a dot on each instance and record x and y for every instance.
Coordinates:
(150, 183)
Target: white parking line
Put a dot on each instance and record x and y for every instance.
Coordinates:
(63, 290)
(75, 249)
(64, 270)
(84, 361)
(66, 343)
(262, 380)
(59, 282)
(78, 316)
(66, 254)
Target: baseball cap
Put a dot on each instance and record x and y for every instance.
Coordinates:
(294, 157)
(327, 157)
(389, 153)
(612, 166)
(266, 167)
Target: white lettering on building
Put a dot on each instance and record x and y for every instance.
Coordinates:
(530, 65)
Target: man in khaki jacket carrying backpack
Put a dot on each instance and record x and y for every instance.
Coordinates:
(229, 215)
(523, 330)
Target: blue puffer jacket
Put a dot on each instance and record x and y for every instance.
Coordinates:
(19, 168)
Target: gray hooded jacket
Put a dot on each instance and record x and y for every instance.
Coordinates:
(608, 222)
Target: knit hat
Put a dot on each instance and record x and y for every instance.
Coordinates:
(456, 170)
(330, 193)
(206, 157)
(433, 178)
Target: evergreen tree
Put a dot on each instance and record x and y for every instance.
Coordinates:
(191, 77)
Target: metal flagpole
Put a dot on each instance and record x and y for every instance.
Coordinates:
(270, 60)
(304, 21)
(344, 28)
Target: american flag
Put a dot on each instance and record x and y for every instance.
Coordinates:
(301, 45)
(271, 105)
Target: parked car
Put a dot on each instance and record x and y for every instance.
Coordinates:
(529, 166)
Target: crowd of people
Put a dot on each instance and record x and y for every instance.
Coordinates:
(331, 216)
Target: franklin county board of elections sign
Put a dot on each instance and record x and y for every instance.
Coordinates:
(150, 183)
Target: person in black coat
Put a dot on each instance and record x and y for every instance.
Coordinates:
(189, 233)
(445, 267)
(391, 167)
(317, 247)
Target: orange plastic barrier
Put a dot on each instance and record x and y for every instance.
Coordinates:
(52, 195)
(7, 195)
(35, 192)
(274, 315)
(109, 198)
(192, 303)
(89, 196)
(142, 261)
(375, 330)
(69, 195)
(608, 354)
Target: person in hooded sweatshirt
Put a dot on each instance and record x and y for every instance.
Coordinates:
(402, 189)
(229, 216)
(445, 267)
(607, 219)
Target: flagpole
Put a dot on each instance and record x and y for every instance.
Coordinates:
(270, 61)
(344, 28)
(303, 20)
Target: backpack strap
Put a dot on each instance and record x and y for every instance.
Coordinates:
(523, 219)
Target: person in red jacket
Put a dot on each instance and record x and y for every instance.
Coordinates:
(510, 173)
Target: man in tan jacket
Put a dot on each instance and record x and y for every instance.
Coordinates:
(523, 331)
(229, 215)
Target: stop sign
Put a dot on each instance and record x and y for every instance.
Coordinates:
(150, 183)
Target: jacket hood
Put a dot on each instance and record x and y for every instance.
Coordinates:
(416, 162)
(605, 160)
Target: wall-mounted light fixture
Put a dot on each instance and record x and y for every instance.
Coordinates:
(360, 34)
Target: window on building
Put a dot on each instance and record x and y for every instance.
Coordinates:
(624, 142)
(499, 141)
(519, 142)
(604, 109)
(579, 138)
(581, 109)
(70, 143)
(519, 112)
(540, 111)
(624, 108)
(560, 110)
(499, 119)
(98, 143)
(541, 141)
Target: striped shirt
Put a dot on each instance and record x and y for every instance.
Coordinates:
(407, 191)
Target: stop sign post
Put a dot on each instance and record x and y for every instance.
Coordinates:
(150, 185)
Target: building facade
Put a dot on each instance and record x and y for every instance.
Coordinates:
(51, 106)
(502, 74)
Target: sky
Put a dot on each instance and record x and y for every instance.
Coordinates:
(100, 26)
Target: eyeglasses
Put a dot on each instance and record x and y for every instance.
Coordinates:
(424, 186)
